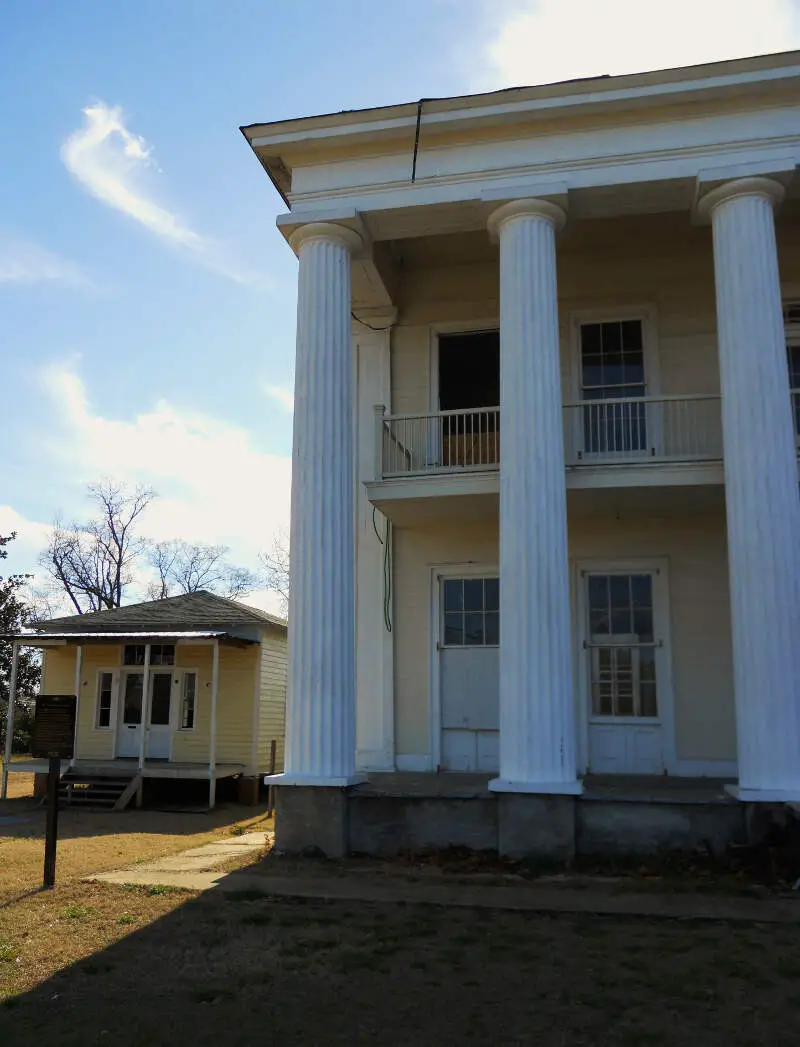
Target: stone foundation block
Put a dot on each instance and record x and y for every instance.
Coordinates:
(533, 826)
(311, 819)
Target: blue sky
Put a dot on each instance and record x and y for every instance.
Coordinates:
(147, 300)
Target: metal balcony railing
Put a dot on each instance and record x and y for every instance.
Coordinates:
(596, 432)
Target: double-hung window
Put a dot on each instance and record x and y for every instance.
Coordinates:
(612, 371)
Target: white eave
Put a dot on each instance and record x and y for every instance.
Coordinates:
(719, 79)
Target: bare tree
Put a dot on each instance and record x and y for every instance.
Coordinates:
(276, 569)
(92, 563)
(183, 567)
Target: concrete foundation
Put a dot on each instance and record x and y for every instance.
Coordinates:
(532, 826)
(311, 818)
(395, 813)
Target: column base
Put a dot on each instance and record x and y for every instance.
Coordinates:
(503, 785)
(764, 795)
(314, 781)
(311, 820)
(534, 826)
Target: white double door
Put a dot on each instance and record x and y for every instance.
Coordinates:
(158, 713)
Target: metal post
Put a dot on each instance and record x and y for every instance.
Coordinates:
(78, 686)
(12, 698)
(52, 822)
(212, 747)
(145, 707)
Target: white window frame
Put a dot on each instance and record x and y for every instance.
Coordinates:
(652, 370)
(665, 697)
(183, 673)
(112, 716)
(436, 573)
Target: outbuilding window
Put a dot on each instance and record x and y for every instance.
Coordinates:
(105, 690)
(160, 654)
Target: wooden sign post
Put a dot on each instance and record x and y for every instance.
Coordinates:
(53, 739)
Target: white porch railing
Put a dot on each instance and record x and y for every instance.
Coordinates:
(647, 428)
(441, 442)
(596, 432)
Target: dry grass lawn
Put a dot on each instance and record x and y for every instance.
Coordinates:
(95, 841)
(159, 968)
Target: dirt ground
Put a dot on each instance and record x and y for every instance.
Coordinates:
(94, 841)
(90, 963)
(132, 966)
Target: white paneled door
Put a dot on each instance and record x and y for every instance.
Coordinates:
(469, 673)
(160, 715)
(621, 664)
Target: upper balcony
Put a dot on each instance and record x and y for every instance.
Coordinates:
(625, 442)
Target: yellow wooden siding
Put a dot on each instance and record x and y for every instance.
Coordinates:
(272, 710)
(237, 669)
(58, 677)
(235, 712)
(701, 651)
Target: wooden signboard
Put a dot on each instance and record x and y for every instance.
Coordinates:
(54, 726)
(53, 738)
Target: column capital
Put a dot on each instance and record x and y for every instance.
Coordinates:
(756, 186)
(337, 234)
(532, 207)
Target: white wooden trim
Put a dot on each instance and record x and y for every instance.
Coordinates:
(114, 673)
(12, 699)
(450, 327)
(436, 573)
(212, 742)
(647, 313)
(663, 654)
(145, 715)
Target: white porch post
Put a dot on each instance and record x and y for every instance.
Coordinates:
(761, 489)
(537, 720)
(12, 698)
(212, 744)
(78, 675)
(320, 704)
(145, 703)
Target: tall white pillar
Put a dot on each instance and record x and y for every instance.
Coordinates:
(321, 686)
(761, 488)
(537, 719)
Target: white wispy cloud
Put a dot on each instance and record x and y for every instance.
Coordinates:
(541, 41)
(214, 484)
(282, 394)
(117, 166)
(24, 262)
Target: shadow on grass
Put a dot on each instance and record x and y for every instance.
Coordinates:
(234, 967)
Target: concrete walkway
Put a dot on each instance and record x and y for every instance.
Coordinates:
(192, 869)
(198, 870)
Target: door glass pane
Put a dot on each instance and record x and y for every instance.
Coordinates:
(132, 706)
(454, 629)
(453, 596)
(473, 594)
(160, 701)
(473, 629)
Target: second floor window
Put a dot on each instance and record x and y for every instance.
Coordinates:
(612, 368)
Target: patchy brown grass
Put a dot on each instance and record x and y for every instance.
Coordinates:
(86, 962)
(96, 841)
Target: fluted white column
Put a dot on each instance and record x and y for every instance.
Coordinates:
(537, 720)
(321, 685)
(761, 490)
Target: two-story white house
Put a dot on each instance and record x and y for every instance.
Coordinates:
(545, 512)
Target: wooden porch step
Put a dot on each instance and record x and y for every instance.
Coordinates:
(77, 789)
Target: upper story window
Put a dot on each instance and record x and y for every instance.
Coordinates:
(612, 360)
(469, 370)
(612, 367)
(160, 654)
